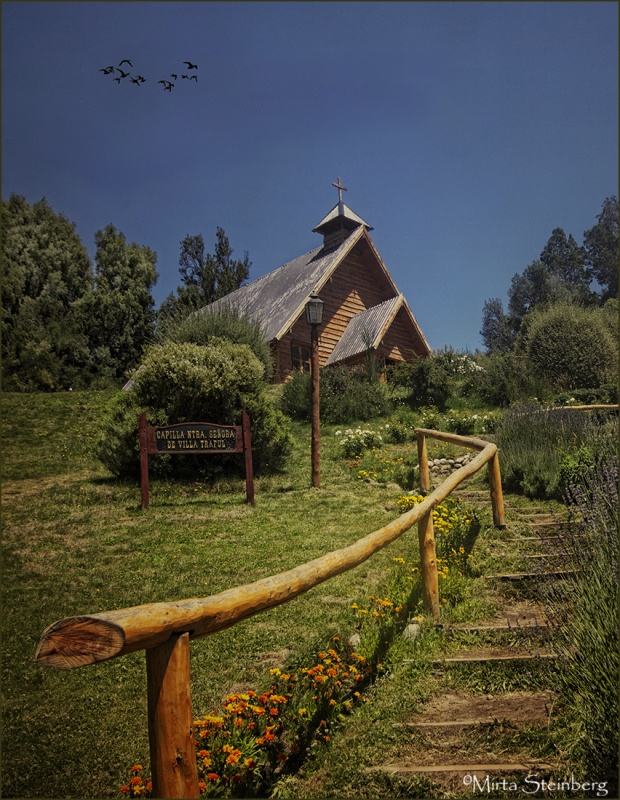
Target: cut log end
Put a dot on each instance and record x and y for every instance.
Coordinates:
(79, 641)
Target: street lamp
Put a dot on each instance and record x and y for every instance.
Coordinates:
(314, 317)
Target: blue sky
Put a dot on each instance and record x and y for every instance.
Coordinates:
(465, 132)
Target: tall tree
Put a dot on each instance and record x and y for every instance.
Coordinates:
(497, 331)
(565, 259)
(47, 279)
(601, 248)
(206, 277)
(123, 308)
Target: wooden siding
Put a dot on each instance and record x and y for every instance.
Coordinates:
(357, 284)
(399, 343)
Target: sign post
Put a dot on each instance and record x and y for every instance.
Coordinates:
(195, 438)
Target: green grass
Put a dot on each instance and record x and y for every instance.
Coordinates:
(76, 541)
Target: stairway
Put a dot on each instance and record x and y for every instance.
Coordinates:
(467, 741)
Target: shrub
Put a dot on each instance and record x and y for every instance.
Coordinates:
(346, 396)
(570, 347)
(503, 379)
(533, 443)
(353, 442)
(296, 396)
(607, 394)
(426, 381)
(584, 611)
(226, 322)
(188, 382)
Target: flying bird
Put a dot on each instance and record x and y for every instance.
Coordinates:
(136, 81)
(184, 76)
(118, 80)
(190, 65)
(172, 75)
(126, 61)
(123, 74)
(168, 88)
(141, 79)
(107, 70)
(194, 78)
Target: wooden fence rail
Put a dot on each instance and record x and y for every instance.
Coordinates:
(164, 630)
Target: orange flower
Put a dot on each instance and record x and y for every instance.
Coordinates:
(135, 781)
(137, 768)
(202, 785)
(249, 762)
(274, 712)
(124, 789)
(204, 753)
(269, 737)
(213, 776)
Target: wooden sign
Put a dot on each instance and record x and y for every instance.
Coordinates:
(195, 438)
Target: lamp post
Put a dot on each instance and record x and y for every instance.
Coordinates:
(314, 317)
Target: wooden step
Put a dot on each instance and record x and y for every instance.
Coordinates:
(529, 625)
(535, 576)
(527, 539)
(487, 659)
(471, 769)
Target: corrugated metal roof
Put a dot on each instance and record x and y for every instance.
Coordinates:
(276, 297)
(363, 330)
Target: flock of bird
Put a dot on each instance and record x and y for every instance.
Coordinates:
(139, 79)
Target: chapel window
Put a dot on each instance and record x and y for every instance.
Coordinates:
(300, 356)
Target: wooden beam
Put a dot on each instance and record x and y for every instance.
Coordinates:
(87, 639)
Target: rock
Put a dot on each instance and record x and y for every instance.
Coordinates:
(411, 632)
(355, 640)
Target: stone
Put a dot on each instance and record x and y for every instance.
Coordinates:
(411, 632)
(355, 640)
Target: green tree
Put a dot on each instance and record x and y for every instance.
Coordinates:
(47, 280)
(497, 330)
(123, 313)
(601, 248)
(565, 260)
(206, 277)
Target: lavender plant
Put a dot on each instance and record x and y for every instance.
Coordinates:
(534, 441)
(584, 612)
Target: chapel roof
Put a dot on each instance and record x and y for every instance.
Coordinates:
(279, 296)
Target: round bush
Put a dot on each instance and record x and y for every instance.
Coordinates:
(570, 348)
(224, 322)
(191, 383)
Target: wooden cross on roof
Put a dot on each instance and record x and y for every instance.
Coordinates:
(341, 189)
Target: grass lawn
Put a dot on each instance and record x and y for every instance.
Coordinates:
(76, 541)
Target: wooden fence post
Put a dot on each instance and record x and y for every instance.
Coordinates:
(497, 498)
(428, 564)
(144, 462)
(171, 726)
(425, 476)
(247, 454)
